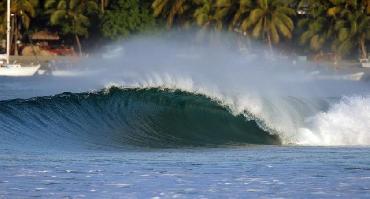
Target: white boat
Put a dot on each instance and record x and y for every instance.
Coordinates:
(15, 70)
(351, 76)
(365, 63)
(355, 76)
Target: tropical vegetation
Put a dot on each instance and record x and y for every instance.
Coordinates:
(137, 18)
(340, 27)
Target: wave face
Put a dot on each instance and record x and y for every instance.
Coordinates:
(126, 117)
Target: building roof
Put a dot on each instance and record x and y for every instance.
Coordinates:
(44, 35)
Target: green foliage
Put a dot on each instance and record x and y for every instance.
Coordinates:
(125, 18)
(71, 15)
(179, 11)
(339, 26)
(318, 26)
(269, 19)
(203, 14)
(352, 26)
(2, 19)
(24, 10)
(215, 13)
(327, 25)
(336, 25)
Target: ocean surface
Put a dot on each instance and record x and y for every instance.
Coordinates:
(224, 172)
(166, 120)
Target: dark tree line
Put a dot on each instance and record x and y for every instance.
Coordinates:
(338, 26)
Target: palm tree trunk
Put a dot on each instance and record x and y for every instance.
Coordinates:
(269, 41)
(335, 59)
(363, 47)
(78, 44)
(102, 5)
(16, 32)
(267, 32)
(11, 35)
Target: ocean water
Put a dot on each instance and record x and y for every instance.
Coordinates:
(167, 119)
(239, 172)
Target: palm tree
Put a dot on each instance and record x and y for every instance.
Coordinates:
(203, 14)
(352, 25)
(241, 14)
(269, 19)
(227, 12)
(22, 12)
(318, 27)
(71, 16)
(214, 12)
(2, 19)
(103, 4)
(172, 10)
(211, 15)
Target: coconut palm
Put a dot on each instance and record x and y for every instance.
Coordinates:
(203, 14)
(318, 27)
(22, 11)
(354, 30)
(230, 11)
(352, 25)
(241, 14)
(171, 10)
(71, 16)
(2, 19)
(269, 20)
(212, 12)
(103, 4)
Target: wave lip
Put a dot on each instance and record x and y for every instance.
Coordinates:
(126, 117)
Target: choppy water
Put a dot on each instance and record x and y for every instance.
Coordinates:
(254, 171)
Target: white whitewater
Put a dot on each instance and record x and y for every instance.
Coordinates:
(345, 123)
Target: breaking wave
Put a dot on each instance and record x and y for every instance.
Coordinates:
(162, 93)
(127, 117)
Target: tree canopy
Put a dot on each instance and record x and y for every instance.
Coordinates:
(137, 18)
(336, 26)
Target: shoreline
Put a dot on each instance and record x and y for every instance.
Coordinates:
(349, 68)
(341, 65)
(41, 59)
